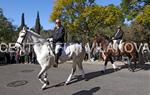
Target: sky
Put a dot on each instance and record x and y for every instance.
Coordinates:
(13, 9)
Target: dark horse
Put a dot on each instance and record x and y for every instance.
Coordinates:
(127, 49)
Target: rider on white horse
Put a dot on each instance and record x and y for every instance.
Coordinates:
(58, 39)
(117, 38)
(45, 54)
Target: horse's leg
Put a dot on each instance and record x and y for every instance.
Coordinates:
(40, 76)
(81, 69)
(135, 65)
(112, 62)
(129, 63)
(134, 60)
(106, 61)
(43, 70)
(45, 81)
(45, 78)
(72, 72)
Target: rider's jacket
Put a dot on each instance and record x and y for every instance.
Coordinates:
(118, 35)
(58, 34)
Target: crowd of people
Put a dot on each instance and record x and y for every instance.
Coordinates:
(18, 57)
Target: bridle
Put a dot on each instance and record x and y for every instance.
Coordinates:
(20, 43)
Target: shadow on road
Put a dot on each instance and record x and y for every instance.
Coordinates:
(92, 75)
(139, 67)
(88, 77)
(95, 74)
(142, 67)
(87, 92)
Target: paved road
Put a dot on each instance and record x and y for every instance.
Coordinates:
(121, 82)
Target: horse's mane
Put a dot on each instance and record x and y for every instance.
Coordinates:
(105, 36)
(37, 35)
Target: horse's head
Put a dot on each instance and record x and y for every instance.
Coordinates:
(100, 41)
(21, 38)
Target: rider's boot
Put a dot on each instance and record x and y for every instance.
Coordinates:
(56, 59)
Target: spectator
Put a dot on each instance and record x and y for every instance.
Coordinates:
(22, 56)
(18, 56)
(26, 57)
(7, 54)
(30, 57)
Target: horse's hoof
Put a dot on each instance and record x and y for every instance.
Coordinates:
(47, 82)
(132, 70)
(43, 88)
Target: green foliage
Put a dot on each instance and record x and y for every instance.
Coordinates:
(125, 6)
(144, 17)
(132, 8)
(45, 33)
(7, 33)
(137, 11)
(83, 18)
(70, 12)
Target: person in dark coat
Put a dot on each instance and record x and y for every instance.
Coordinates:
(118, 35)
(58, 40)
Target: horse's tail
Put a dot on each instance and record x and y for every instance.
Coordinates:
(82, 52)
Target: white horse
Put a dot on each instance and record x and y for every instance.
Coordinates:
(46, 57)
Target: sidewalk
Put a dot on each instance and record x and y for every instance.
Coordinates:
(101, 62)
